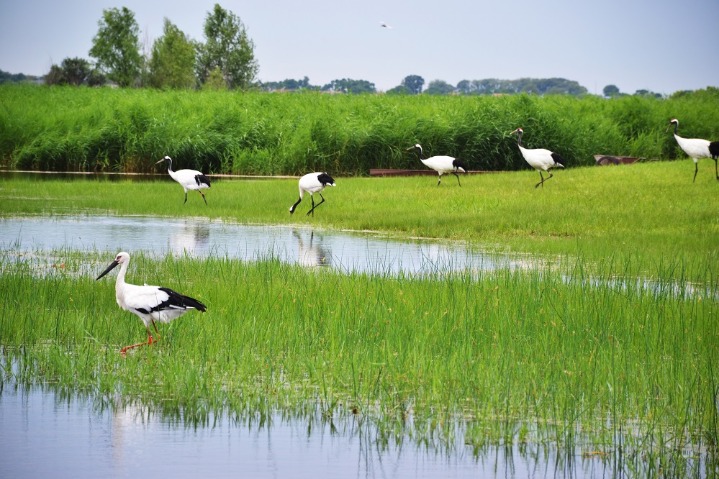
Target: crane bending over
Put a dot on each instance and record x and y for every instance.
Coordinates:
(313, 183)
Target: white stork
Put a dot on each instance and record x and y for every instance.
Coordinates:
(441, 164)
(188, 179)
(697, 148)
(539, 158)
(313, 183)
(149, 303)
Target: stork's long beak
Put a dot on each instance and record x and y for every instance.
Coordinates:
(158, 162)
(109, 268)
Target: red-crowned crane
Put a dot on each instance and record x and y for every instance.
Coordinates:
(313, 183)
(149, 303)
(188, 179)
(696, 148)
(440, 164)
(539, 158)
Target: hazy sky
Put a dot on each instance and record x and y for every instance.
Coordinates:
(658, 45)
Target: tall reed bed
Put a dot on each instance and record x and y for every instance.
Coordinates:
(79, 129)
(566, 358)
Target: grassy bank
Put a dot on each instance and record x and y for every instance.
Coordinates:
(583, 353)
(647, 212)
(79, 129)
(502, 358)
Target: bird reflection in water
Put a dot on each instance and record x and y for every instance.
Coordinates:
(312, 253)
(190, 238)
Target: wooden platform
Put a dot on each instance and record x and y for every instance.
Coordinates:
(426, 172)
(603, 160)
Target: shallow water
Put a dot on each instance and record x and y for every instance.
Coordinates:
(201, 237)
(45, 434)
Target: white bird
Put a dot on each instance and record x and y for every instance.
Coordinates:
(539, 158)
(188, 179)
(385, 25)
(441, 164)
(149, 303)
(697, 148)
(313, 183)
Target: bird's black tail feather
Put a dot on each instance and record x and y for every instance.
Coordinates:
(714, 149)
(179, 300)
(202, 179)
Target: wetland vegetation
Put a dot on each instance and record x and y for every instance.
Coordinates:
(612, 349)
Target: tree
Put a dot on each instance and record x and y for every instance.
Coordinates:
(172, 61)
(413, 83)
(215, 80)
(117, 47)
(73, 71)
(611, 91)
(347, 85)
(76, 70)
(439, 87)
(228, 48)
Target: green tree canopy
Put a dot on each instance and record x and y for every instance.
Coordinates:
(172, 61)
(413, 83)
(439, 87)
(228, 48)
(116, 46)
(611, 90)
(347, 85)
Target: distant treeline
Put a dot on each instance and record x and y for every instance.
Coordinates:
(414, 84)
(7, 77)
(128, 130)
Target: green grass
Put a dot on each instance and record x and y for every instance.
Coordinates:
(579, 353)
(648, 212)
(90, 129)
(502, 357)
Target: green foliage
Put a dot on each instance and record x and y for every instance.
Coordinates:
(439, 87)
(538, 86)
(117, 47)
(172, 62)
(413, 83)
(347, 85)
(227, 131)
(74, 71)
(227, 47)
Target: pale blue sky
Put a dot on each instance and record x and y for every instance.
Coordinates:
(658, 45)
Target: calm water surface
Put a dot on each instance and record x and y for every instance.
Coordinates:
(45, 434)
(201, 237)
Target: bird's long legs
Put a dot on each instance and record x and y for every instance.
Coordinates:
(185, 197)
(150, 340)
(312, 210)
(203, 196)
(543, 179)
(455, 174)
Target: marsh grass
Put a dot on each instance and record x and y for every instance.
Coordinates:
(645, 213)
(499, 358)
(128, 130)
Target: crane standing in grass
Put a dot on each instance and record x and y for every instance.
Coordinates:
(149, 303)
(539, 158)
(697, 148)
(441, 164)
(313, 183)
(188, 179)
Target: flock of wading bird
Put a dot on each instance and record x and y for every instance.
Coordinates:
(156, 303)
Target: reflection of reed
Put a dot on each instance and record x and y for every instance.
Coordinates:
(312, 254)
(189, 237)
